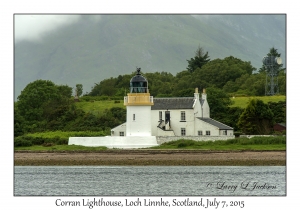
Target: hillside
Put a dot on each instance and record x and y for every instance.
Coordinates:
(99, 107)
(89, 51)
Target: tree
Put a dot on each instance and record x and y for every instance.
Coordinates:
(198, 61)
(272, 52)
(43, 105)
(18, 122)
(79, 89)
(33, 97)
(219, 101)
(257, 118)
(219, 71)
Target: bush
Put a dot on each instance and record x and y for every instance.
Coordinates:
(21, 142)
(237, 134)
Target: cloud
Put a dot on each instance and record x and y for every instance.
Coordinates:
(32, 27)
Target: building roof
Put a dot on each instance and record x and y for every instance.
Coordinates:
(173, 103)
(221, 126)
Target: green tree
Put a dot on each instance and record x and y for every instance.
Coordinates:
(272, 52)
(279, 111)
(79, 89)
(257, 118)
(219, 71)
(219, 102)
(33, 97)
(19, 122)
(200, 59)
(43, 105)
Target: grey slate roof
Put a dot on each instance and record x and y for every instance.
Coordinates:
(213, 122)
(173, 103)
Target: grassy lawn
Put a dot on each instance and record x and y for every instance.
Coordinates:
(98, 107)
(58, 148)
(232, 147)
(243, 101)
(240, 144)
(256, 143)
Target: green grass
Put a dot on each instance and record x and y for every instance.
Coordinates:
(98, 107)
(238, 144)
(71, 148)
(255, 143)
(242, 102)
(65, 134)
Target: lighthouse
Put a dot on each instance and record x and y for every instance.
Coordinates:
(138, 107)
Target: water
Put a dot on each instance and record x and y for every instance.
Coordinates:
(149, 180)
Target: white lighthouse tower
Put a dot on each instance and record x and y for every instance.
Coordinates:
(138, 105)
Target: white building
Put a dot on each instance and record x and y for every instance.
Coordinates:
(149, 120)
(182, 116)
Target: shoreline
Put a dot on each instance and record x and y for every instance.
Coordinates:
(140, 157)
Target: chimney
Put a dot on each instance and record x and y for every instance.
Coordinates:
(196, 94)
(204, 94)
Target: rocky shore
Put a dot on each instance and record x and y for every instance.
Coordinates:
(152, 157)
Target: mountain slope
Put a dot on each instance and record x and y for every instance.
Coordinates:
(89, 51)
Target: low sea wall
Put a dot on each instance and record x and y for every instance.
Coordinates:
(251, 136)
(164, 139)
(123, 142)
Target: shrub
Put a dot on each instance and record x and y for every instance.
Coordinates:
(237, 134)
(48, 144)
(21, 142)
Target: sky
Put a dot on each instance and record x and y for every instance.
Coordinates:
(32, 27)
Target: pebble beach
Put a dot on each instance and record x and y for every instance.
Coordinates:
(151, 157)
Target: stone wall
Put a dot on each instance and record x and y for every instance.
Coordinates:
(163, 139)
(251, 136)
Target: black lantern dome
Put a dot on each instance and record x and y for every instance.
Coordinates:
(138, 83)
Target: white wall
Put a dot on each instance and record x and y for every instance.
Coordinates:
(163, 139)
(141, 125)
(205, 107)
(116, 131)
(125, 142)
(203, 126)
(176, 123)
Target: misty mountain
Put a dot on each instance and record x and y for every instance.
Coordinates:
(92, 49)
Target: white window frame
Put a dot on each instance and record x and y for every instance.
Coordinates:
(207, 133)
(121, 133)
(200, 133)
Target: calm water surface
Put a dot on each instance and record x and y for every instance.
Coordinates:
(149, 180)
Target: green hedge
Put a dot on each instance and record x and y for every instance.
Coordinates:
(25, 141)
(237, 141)
(52, 137)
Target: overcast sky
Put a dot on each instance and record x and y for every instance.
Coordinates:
(32, 27)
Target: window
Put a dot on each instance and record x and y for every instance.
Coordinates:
(183, 131)
(160, 115)
(121, 133)
(225, 133)
(200, 133)
(133, 116)
(182, 116)
(208, 133)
